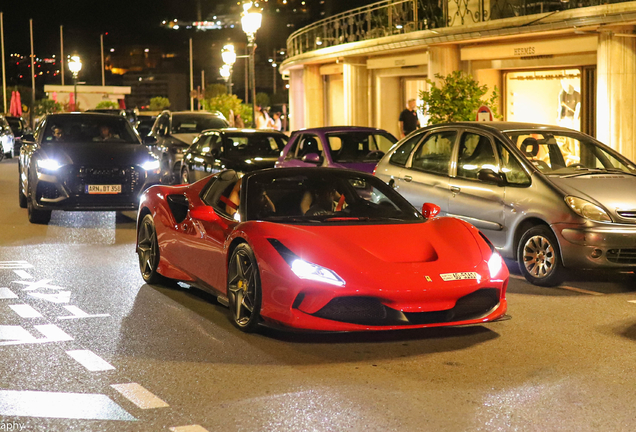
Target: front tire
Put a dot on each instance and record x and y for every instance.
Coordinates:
(36, 216)
(148, 252)
(22, 199)
(244, 288)
(539, 257)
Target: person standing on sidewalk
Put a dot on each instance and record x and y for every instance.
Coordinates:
(408, 118)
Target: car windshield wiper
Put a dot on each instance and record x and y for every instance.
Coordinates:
(587, 171)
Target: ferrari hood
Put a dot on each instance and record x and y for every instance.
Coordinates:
(97, 153)
(377, 244)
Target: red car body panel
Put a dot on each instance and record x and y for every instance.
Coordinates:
(398, 264)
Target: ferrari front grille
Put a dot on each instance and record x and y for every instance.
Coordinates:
(622, 256)
(370, 311)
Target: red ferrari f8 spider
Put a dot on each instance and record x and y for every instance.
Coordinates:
(321, 249)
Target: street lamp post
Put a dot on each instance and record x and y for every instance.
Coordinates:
(251, 22)
(226, 74)
(229, 58)
(75, 66)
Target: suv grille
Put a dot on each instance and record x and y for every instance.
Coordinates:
(78, 177)
(622, 256)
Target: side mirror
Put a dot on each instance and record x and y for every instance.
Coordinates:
(489, 176)
(430, 210)
(204, 213)
(312, 158)
(149, 140)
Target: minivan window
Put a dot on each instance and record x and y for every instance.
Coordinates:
(561, 153)
(402, 154)
(511, 167)
(475, 154)
(434, 154)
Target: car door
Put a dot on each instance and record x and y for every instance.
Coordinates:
(478, 202)
(197, 162)
(425, 178)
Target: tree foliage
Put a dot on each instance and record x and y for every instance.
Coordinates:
(458, 98)
(214, 90)
(159, 103)
(106, 104)
(225, 102)
(262, 99)
(47, 106)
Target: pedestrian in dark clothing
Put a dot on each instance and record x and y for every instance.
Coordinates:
(408, 119)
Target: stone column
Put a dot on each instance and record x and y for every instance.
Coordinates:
(443, 59)
(616, 90)
(314, 96)
(296, 100)
(356, 92)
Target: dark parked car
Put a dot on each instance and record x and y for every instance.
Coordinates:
(83, 162)
(172, 134)
(6, 139)
(243, 150)
(358, 148)
(19, 127)
(144, 124)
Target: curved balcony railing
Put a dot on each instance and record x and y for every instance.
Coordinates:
(391, 17)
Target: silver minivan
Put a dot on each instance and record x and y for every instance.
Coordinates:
(549, 197)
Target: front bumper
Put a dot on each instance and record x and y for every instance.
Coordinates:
(597, 246)
(67, 190)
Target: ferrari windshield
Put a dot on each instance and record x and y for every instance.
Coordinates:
(359, 146)
(325, 196)
(568, 154)
(88, 128)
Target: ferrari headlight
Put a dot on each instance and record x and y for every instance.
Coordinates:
(587, 210)
(151, 165)
(307, 270)
(48, 165)
(495, 263)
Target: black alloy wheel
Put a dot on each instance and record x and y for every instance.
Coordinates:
(36, 216)
(148, 251)
(539, 257)
(244, 288)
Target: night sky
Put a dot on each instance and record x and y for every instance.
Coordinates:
(125, 21)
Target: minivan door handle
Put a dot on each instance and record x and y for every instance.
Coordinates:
(408, 178)
(455, 189)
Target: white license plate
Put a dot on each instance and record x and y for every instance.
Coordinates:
(103, 189)
(458, 276)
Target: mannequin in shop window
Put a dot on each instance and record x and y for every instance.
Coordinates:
(569, 112)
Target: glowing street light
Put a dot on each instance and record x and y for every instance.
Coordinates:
(251, 21)
(75, 66)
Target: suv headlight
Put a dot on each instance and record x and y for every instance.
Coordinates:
(151, 165)
(587, 209)
(48, 165)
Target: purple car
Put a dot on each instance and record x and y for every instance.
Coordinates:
(351, 147)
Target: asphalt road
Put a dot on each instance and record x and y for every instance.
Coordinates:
(85, 345)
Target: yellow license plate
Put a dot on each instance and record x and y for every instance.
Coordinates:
(103, 189)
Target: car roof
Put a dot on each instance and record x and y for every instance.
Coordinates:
(245, 130)
(506, 126)
(325, 129)
(202, 113)
(84, 114)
